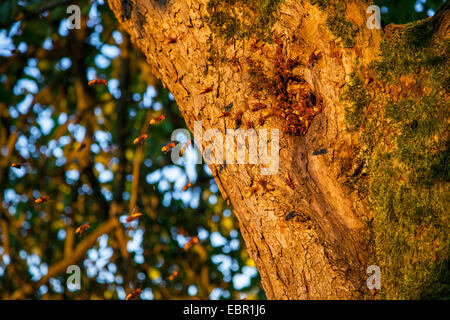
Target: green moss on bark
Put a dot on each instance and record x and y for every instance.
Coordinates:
(355, 93)
(239, 19)
(337, 22)
(408, 164)
(322, 4)
(408, 191)
(340, 26)
(410, 50)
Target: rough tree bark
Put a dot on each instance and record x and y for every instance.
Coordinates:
(323, 252)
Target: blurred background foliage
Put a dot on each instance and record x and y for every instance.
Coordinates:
(403, 11)
(47, 111)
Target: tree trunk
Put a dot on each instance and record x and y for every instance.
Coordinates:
(321, 251)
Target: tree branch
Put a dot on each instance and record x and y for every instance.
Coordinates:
(62, 265)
